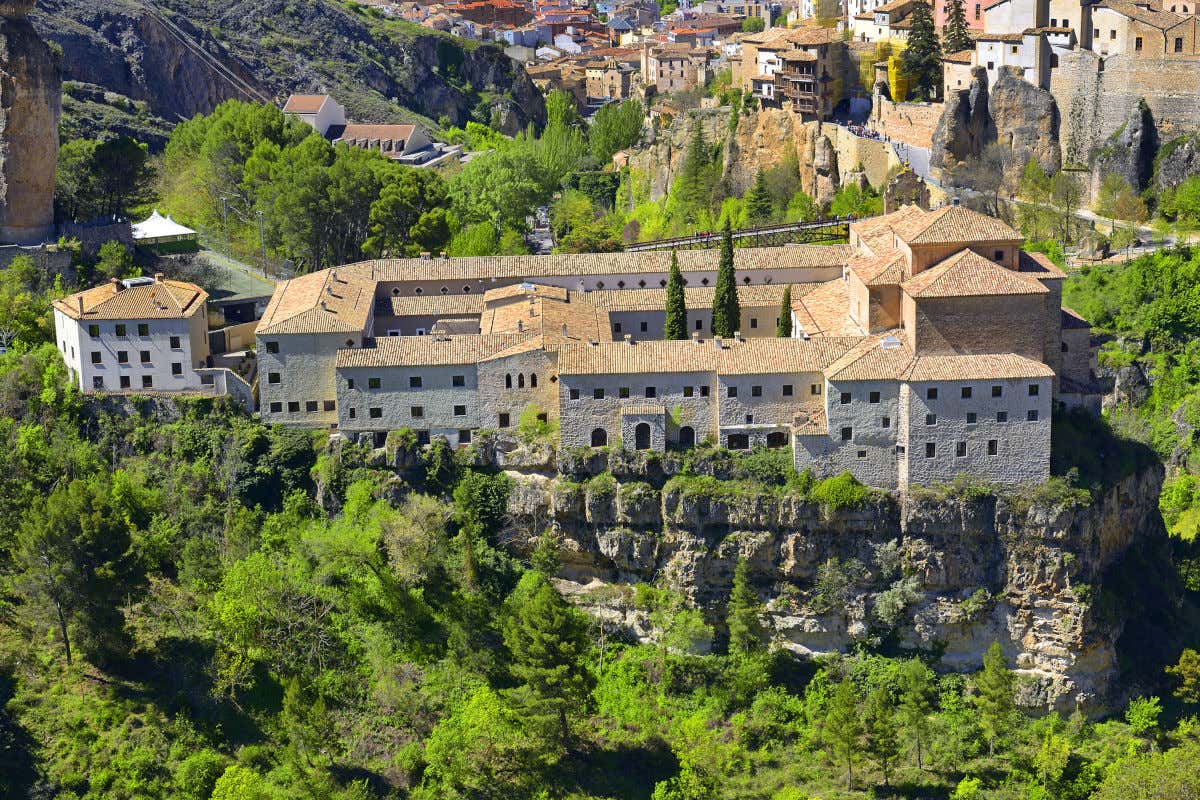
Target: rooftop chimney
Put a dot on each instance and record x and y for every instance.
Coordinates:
(158, 277)
(80, 299)
(737, 335)
(717, 343)
(629, 338)
(564, 330)
(696, 337)
(424, 255)
(116, 284)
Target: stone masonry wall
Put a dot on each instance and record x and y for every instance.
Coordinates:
(911, 123)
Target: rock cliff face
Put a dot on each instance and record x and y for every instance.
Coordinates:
(1178, 160)
(1129, 153)
(1016, 114)
(175, 60)
(944, 575)
(29, 109)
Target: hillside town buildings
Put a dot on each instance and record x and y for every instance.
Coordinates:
(929, 346)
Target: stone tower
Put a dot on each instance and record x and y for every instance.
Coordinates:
(30, 105)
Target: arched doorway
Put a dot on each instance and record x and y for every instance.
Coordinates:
(777, 439)
(641, 436)
(687, 437)
(599, 438)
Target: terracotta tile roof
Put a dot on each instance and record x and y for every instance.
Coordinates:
(950, 224)
(1049, 29)
(979, 367)
(553, 322)
(811, 422)
(329, 301)
(961, 57)
(653, 357)
(166, 299)
(968, 274)
(584, 264)
(425, 305)
(1014, 38)
(1072, 319)
(398, 133)
(524, 290)
(876, 358)
(895, 5)
(304, 103)
(1154, 18)
(882, 270)
(825, 311)
(400, 351)
(767, 356)
(753, 296)
(877, 234)
(1039, 266)
(799, 55)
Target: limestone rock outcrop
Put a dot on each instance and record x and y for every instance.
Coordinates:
(1129, 153)
(30, 105)
(1178, 160)
(934, 573)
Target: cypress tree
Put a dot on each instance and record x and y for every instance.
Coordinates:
(922, 57)
(783, 327)
(676, 323)
(746, 633)
(994, 696)
(759, 208)
(727, 313)
(692, 189)
(954, 36)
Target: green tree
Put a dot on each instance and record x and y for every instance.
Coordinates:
(1183, 202)
(1154, 776)
(843, 729)
(881, 736)
(548, 640)
(240, 783)
(922, 56)
(114, 261)
(76, 187)
(746, 632)
(854, 201)
(1065, 196)
(693, 190)
(955, 36)
(615, 127)
(1142, 715)
(123, 175)
(1187, 672)
(754, 25)
(993, 697)
(676, 324)
(783, 326)
(916, 704)
(727, 313)
(759, 208)
(409, 215)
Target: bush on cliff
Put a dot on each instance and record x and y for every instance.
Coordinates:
(841, 492)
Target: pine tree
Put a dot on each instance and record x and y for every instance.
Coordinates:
(759, 208)
(916, 704)
(692, 191)
(994, 696)
(746, 633)
(727, 313)
(676, 325)
(843, 728)
(922, 57)
(783, 327)
(548, 639)
(882, 738)
(955, 38)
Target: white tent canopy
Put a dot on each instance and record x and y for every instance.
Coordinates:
(158, 229)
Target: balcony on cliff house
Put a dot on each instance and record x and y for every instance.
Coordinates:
(798, 82)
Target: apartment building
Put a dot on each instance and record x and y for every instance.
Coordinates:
(929, 346)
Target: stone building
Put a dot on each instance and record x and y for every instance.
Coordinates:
(929, 346)
(802, 66)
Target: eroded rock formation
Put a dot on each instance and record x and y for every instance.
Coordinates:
(1129, 153)
(30, 104)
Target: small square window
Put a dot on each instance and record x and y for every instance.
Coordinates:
(699, 325)
(960, 449)
(931, 419)
(293, 406)
(310, 406)
(616, 327)
(597, 394)
(643, 327)
(731, 391)
(458, 381)
(574, 394)
(176, 368)
(997, 391)
(886, 422)
(147, 381)
(966, 393)
(93, 331)
(272, 347)
(423, 436)
(277, 408)
(145, 356)
(814, 389)
(414, 382)
(756, 391)
(504, 421)
(122, 357)
(1001, 416)
(787, 390)
(120, 330)
(992, 447)
(96, 357)
(931, 393)
(124, 381)
(847, 433)
(417, 412)
(464, 436)
(329, 405)
(1033, 390)
(998, 255)
(704, 391)
(749, 419)
(753, 322)
(623, 392)
(930, 449)
(971, 418)
(651, 391)
(377, 383)
(375, 413)
(845, 398)
(274, 377)
(460, 411)
(143, 329)
(688, 391)
(873, 397)
(862, 453)
(1032, 415)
